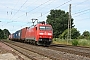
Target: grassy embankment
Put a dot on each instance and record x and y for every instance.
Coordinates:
(75, 42)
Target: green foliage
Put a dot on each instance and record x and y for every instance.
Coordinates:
(54, 39)
(61, 41)
(74, 42)
(84, 42)
(89, 38)
(86, 34)
(4, 34)
(74, 34)
(64, 35)
(81, 37)
(1, 34)
(59, 21)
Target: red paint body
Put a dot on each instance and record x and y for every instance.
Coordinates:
(40, 35)
(23, 33)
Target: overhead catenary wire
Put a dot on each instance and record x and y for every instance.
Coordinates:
(33, 9)
(39, 6)
(52, 1)
(80, 14)
(31, 4)
(85, 18)
(17, 11)
(14, 6)
(12, 9)
(56, 7)
(36, 7)
(3, 5)
(75, 5)
(43, 4)
(79, 3)
(19, 8)
(62, 5)
(81, 11)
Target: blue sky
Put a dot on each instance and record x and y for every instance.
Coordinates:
(13, 12)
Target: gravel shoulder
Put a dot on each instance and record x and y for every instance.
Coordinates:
(7, 53)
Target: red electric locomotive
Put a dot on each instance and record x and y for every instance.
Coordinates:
(40, 34)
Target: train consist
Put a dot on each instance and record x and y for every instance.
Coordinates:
(39, 34)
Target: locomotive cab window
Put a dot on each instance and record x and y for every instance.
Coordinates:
(45, 28)
(48, 28)
(42, 27)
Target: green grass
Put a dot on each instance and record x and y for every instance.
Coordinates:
(61, 41)
(84, 42)
(75, 42)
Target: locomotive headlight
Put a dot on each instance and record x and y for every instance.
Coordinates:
(50, 37)
(41, 33)
(49, 34)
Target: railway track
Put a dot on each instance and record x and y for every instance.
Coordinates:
(53, 52)
(28, 53)
(78, 50)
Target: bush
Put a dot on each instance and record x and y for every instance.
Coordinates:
(54, 39)
(74, 42)
(83, 42)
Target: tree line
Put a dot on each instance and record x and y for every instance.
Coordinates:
(59, 21)
(4, 34)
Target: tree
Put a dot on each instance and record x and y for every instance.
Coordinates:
(6, 33)
(86, 34)
(74, 34)
(1, 34)
(59, 21)
(64, 35)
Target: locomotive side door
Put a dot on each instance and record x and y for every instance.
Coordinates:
(35, 34)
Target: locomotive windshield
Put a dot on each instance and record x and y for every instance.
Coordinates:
(45, 28)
